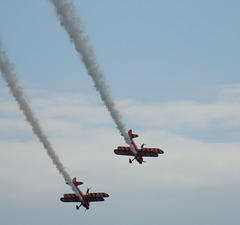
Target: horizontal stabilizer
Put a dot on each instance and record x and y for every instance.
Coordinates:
(76, 183)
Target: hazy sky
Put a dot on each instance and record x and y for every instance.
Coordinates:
(173, 70)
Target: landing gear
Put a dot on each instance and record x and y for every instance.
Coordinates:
(77, 207)
(131, 160)
(138, 158)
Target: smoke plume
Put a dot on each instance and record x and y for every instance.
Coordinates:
(7, 71)
(72, 24)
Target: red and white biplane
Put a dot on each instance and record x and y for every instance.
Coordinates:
(138, 153)
(85, 199)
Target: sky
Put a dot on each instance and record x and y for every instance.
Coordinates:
(173, 70)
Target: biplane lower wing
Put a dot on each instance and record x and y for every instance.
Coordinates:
(91, 197)
(95, 197)
(150, 152)
(147, 152)
(122, 150)
(70, 198)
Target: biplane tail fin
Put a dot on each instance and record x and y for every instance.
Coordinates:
(131, 135)
(76, 183)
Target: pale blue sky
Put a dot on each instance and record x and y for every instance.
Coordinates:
(173, 69)
(150, 51)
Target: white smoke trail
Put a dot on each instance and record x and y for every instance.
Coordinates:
(66, 13)
(7, 71)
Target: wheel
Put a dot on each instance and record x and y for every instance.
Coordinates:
(130, 161)
(77, 207)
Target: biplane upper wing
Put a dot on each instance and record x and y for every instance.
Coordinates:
(122, 150)
(150, 152)
(95, 197)
(70, 198)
